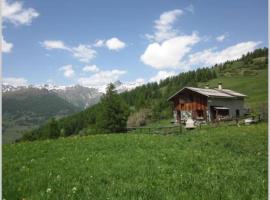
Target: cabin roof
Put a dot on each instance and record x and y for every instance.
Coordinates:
(218, 93)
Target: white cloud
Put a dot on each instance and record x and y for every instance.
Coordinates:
(16, 14)
(99, 43)
(15, 81)
(162, 75)
(211, 57)
(84, 53)
(68, 71)
(115, 44)
(112, 44)
(91, 68)
(101, 79)
(54, 44)
(6, 46)
(170, 53)
(163, 26)
(222, 37)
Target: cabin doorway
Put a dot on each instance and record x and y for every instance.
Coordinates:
(237, 113)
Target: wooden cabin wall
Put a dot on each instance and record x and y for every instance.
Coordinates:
(189, 100)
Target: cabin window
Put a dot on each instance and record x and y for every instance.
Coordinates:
(190, 98)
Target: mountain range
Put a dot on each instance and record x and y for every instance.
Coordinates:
(29, 106)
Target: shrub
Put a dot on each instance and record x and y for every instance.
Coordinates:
(140, 118)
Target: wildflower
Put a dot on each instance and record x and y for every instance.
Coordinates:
(48, 190)
(74, 189)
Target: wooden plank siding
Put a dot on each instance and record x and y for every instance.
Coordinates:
(190, 101)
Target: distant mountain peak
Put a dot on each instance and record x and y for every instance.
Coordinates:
(117, 83)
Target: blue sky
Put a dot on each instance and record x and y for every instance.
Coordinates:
(96, 42)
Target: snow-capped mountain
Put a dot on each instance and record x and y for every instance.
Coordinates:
(122, 87)
(77, 95)
(11, 88)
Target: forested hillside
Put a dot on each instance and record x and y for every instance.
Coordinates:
(27, 108)
(247, 74)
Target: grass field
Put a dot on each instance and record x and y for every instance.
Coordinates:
(255, 87)
(217, 163)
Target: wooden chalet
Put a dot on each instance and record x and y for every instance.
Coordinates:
(207, 104)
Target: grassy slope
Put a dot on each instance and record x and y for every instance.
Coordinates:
(254, 86)
(219, 163)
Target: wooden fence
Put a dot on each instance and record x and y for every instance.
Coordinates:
(157, 130)
(179, 129)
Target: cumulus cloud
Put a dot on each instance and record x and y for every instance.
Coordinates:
(115, 44)
(101, 79)
(99, 43)
(222, 37)
(164, 26)
(211, 57)
(67, 70)
(112, 44)
(6, 46)
(162, 75)
(54, 44)
(91, 68)
(84, 53)
(15, 13)
(170, 53)
(15, 81)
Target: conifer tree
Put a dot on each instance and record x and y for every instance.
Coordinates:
(54, 131)
(113, 113)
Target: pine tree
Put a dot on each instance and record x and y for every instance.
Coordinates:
(113, 113)
(54, 131)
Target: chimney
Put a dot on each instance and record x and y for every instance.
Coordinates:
(206, 86)
(220, 86)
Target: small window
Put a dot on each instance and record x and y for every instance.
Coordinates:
(190, 98)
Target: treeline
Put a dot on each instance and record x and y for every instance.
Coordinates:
(114, 110)
(154, 96)
(108, 116)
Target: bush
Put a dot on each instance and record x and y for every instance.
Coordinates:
(140, 118)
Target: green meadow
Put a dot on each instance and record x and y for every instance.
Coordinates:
(207, 163)
(254, 86)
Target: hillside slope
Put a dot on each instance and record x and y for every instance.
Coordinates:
(28, 108)
(247, 75)
(218, 163)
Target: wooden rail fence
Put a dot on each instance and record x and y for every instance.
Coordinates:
(157, 130)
